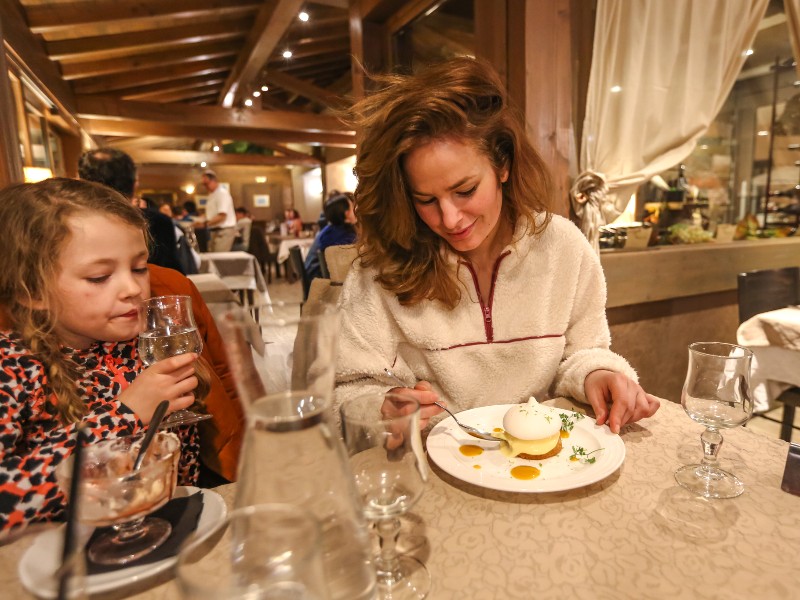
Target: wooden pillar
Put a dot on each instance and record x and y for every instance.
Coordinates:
(10, 161)
(548, 90)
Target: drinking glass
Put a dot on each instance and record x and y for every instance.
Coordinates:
(112, 494)
(382, 437)
(716, 394)
(167, 328)
(270, 552)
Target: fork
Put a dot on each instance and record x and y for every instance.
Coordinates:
(483, 435)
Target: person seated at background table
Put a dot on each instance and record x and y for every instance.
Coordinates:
(339, 231)
(76, 270)
(293, 222)
(117, 170)
(244, 224)
(467, 285)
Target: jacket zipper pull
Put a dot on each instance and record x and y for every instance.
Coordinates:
(487, 316)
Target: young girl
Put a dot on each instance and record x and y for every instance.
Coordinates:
(74, 270)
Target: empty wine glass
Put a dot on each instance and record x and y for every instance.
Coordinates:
(382, 437)
(167, 328)
(112, 494)
(716, 394)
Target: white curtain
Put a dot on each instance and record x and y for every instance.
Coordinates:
(660, 73)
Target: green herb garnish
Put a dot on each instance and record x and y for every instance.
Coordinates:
(579, 453)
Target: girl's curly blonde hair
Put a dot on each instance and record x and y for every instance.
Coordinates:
(33, 232)
(461, 99)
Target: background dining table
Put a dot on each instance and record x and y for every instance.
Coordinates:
(774, 338)
(635, 534)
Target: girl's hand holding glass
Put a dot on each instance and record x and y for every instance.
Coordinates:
(168, 329)
(170, 379)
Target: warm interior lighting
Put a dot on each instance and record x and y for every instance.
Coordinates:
(303, 16)
(256, 94)
(763, 132)
(287, 54)
(203, 164)
(261, 179)
(188, 188)
(34, 174)
(748, 52)
(264, 88)
(248, 102)
(215, 149)
(616, 89)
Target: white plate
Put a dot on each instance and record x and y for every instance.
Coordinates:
(41, 560)
(493, 470)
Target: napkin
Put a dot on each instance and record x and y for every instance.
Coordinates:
(182, 513)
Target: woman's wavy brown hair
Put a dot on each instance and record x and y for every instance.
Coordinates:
(33, 232)
(461, 99)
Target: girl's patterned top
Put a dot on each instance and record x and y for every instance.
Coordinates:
(33, 441)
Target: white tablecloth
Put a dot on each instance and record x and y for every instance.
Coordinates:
(774, 338)
(283, 249)
(239, 271)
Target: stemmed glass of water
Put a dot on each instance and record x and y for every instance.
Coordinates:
(382, 437)
(167, 328)
(716, 394)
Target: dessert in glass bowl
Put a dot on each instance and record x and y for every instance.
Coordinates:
(112, 494)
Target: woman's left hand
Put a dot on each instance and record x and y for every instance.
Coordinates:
(627, 400)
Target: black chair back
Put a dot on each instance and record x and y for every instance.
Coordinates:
(259, 248)
(323, 265)
(767, 289)
(296, 260)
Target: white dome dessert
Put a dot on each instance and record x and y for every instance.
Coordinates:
(531, 431)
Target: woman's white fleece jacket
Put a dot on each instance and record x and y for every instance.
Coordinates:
(539, 332)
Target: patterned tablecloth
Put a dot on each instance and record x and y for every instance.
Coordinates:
(635, 534)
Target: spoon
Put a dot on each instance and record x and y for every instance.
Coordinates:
(152, 429)
(483, 435)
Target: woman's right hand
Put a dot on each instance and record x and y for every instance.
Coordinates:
(170, 379)
(423, 393)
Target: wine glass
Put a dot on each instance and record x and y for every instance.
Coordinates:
(716, 394)
(382, 437)
(168, 328)
(112, 494)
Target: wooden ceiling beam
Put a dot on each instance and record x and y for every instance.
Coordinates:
(101, 47)
(30, 52)
(168, 86)
(305, 89)
(104, 107)
(270, 25)
(193, 53)
(187, 157)
(343, 4)
(187, 94)
(59, 16)
(257, 136)
(149, 142)
(123, 81)
(338, 45)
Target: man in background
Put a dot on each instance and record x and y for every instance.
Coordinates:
(244, 224)
(220, 216)
(115, 169)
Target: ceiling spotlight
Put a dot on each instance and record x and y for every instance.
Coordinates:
(256, 94)
(248, 102)
(303, 16)
(216, 148)
(203, 164)
(287, 54)
(264, 88)
(616, 89)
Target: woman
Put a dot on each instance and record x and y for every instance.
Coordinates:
(339, 231)
(467, 286)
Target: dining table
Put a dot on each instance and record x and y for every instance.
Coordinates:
(241, 273)
(282, 243)
(774, 339)
(634, 533)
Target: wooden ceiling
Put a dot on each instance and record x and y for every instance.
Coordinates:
(168, 79)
